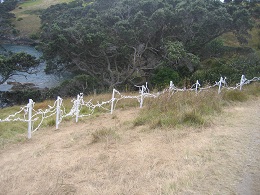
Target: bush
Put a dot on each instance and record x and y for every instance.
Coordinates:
(34, 36)
(163, 76)
(79, 84)
(215, 48)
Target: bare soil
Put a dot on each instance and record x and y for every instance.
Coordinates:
(222, 158)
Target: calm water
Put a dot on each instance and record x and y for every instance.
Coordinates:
(40, 79)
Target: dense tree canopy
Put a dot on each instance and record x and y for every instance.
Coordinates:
(121, 41)
(16, 63)
(5, 17)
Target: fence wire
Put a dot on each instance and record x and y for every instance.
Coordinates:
(30, 115)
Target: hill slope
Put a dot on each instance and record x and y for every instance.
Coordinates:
(27, 15)
(107, 155)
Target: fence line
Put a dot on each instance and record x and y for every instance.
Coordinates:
(59, 110)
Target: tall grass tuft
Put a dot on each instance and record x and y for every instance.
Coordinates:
(184, 108)
(235, 96)
(193, 118)
(104, 135)
(252, 89)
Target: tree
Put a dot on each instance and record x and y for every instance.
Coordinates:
(163, 76)
(117, 42)
(5, 17)
(16, 63)
(178, 56)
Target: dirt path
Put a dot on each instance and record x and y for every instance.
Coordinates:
(220, 159)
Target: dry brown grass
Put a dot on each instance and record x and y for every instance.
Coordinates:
(124, 160)
(107, 155)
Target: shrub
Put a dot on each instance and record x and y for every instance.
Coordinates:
(79, 84)
(163, 76)
(35, 36)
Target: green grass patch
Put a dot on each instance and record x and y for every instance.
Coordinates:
(10, 131)
(193, 118)
(235, 96)
(189, 108)
(184, 108)
(31, 4)
(30, 10)
(51, 122)
(33, 12)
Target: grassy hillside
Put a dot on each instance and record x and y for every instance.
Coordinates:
(27, 15)
(175, 111)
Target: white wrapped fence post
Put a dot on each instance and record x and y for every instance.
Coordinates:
(58, 111)
(197, 86)
(220, 84)
(77, 108)
(171, 84)
(242, 80)
(112, 103)
(30, 107)
(146, 88)
(142, 96)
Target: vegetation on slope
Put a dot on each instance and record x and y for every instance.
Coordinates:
(165, 112)
(27, 13)
(5, 18)
(126, 42)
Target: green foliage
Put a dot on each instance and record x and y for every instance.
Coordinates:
(22, 96)
(232, 68)
(213, 70)
(79, 84)
(35, 36)
(214, 48)
(115, 42)
(5, 17)
(177, 54)
(163, 76)
(13, 63)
